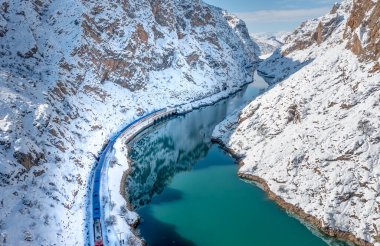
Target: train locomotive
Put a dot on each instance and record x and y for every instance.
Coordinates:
(98, 239)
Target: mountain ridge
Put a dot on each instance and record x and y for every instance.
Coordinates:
(74, 72)
(312, 139)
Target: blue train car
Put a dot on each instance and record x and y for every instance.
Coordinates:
(96, 205)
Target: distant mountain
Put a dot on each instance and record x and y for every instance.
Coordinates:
(313, 139)
(268, 42)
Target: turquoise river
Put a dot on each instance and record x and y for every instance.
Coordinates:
(186, 190)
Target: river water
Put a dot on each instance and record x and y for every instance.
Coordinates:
(187, 192)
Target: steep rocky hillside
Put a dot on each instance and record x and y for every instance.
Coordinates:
(73, 72)
(313, 140)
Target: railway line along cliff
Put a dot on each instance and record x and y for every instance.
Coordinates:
(73, 72)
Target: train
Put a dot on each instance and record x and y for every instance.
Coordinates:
(97, 226)
(102, 157)
(98, 237)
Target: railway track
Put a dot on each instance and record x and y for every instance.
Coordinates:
(97, 221)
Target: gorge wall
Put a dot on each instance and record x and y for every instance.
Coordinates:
(313, 140)
(73, 72)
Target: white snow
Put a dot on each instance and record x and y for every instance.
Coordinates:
(58, 105)
(315, 136)
(268, 42)
(5, 124)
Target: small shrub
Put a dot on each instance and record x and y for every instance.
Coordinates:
(3, 238)
(123, 210)
(365, 127)
(46, 219)
(262, 130)
(293, 114)
(112, 205)
(28, 236)
(111, 220)
(282, 189)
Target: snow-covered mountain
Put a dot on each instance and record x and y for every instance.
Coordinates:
(313, 140)
(268, 42)
(73, 72)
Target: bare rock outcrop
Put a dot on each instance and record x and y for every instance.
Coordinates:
(362, 15)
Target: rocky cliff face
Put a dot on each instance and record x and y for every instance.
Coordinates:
(361, 30)
(312, 140)
(73, 72)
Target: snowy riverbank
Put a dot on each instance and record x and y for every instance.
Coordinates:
(312, 141)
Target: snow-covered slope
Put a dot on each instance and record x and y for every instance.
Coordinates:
(72, 72)
(313, 140)
(268, 42)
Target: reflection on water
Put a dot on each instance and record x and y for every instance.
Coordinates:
(209, 205)
(178, 144)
